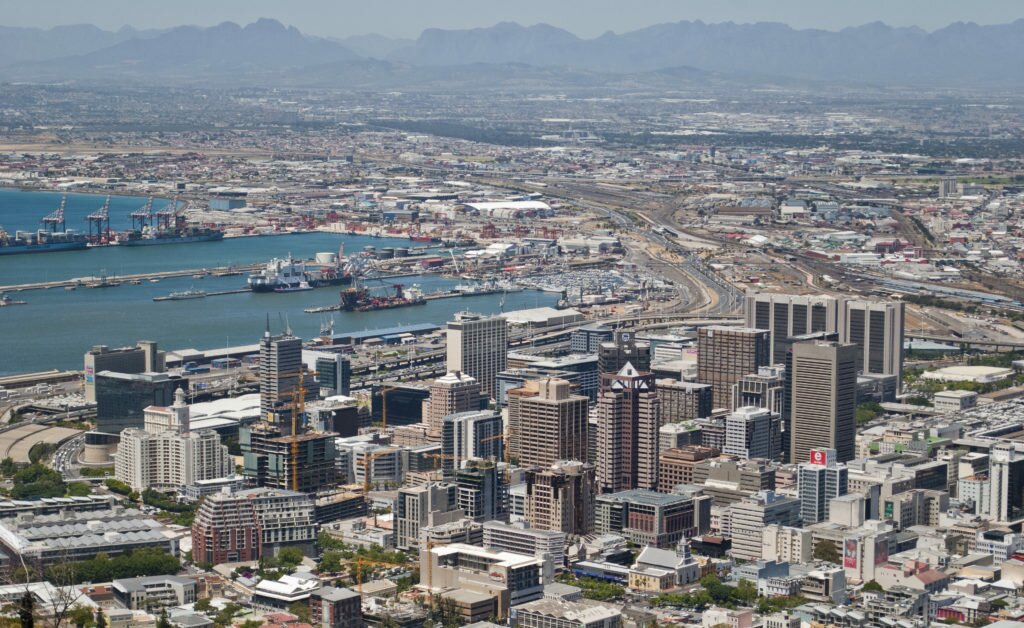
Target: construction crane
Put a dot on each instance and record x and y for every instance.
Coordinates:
(100, 218)
(437, 458)
(504, 451)
(143, 215)
(367, 459)
(360, 562)
(298, 396)
(56, 217)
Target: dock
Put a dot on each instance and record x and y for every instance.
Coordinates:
(218, 293)
(78, 282)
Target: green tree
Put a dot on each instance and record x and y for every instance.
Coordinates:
(8, 467)
(162, 621)
(81, 616)
(36, 480)
(872, 585)
(826, 550)
(118, 486)
(79, 489)
(101, 621)
(290, 557)
(26, 610)
(203, 605)
(301, 610)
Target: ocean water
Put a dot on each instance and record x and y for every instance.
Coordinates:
(56, 327)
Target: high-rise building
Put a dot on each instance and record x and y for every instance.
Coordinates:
(478, 345)
(166, 455)
(547, 423)
(753, 433)
(121, 398)
(478, 434)
(334, 374)
(726, 354)
(482, 491)
(628, 418)
(820, 480)
(455, 392)
(786, 315)
(521, 538)
(948, 187)
(764, 389)
(561, 497)
(750, 516)
(280, 365)
(1006, 481)
(654, 519)
(682, 401)
(414, 508)
(823, 405)
(226, 530)
(877, 330)
(143, 358)
(676, 466)
(621, 350)
(588, 339)
(304, 463)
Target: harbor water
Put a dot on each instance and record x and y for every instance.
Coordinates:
(56, 327)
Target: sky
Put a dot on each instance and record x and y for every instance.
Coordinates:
(586, 18)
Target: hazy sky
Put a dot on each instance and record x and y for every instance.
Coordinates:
(587, 18)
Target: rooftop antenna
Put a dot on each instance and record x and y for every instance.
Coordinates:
(287, 326)
(266, 333)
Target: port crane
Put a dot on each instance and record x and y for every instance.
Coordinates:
(100, 218)
(168, 213)
(142, 216)
(56, 218)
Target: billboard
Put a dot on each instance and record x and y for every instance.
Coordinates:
(818, 456)
(887, 511)
(89, 375)
(851, 552)
(881, 551)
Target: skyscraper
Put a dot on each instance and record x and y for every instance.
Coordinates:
(877, 330)
(763, 389)
(819, 480)
(726, 354)
(280, 361)
(469, 435)
(786, 315)
(628, 418)
(561, 497)
(824, 399)
(622, 349)
(482, 491)
(143, 358)
(753, 433)
(478, 345)
(547, 423)
(455, 392)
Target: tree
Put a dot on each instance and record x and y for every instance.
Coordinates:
(826, 550)
(203, 605)
(162, 621)
(301, 610)
(872, 585)
(36, 480)
(81, 616)
(101, 621)
(290, 557)
(26, 610)
(79, 489)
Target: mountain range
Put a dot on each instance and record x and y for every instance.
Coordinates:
(269, 53)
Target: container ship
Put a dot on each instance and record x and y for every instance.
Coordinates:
(186, 236)
(51, 238)
(165, 226)
(291, 275)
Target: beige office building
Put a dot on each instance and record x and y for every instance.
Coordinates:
(478, 345)
(455, 392)
(547, 423)
(824, 399)
(726, 354)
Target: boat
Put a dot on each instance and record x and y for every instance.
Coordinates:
(69, 288)
(52, 238)
(361, 300)
(284, 275)
(300, 287)
(181, 296)
(136, 282)
(141, 238)
(6, 300)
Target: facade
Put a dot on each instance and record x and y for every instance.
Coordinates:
(676, 466)
(414, 507)
(510, 579)
(547, 423)
(786, 544)
(154, 592)
(471, 435)
(166, 455)
(1006, 481)
(823, 405)
(726, 354)
(334, 374)
(621, 350)
(764, 389)
(121, 398)
(478, 346)
(752, 432)
(628, 419)
(682, 401)
(820, 480)
(561, 498)
(482, 491)
(520, 538)
(142, 358)
(334, 607)
(751, 515)
(588, 339)
(455, 392)
(877, 330)
(648, 518)
(226, 530)
(788, 315)
(305, 462)
(285, 519)
(280, 365)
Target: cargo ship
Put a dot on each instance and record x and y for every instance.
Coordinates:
(165, 226)
(182, 296)
(183, 236)
(289, 275)
(51, 238)
(362, 300)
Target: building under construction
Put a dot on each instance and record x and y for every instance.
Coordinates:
(304, 463)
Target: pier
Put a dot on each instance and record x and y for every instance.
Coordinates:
(82, 282)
